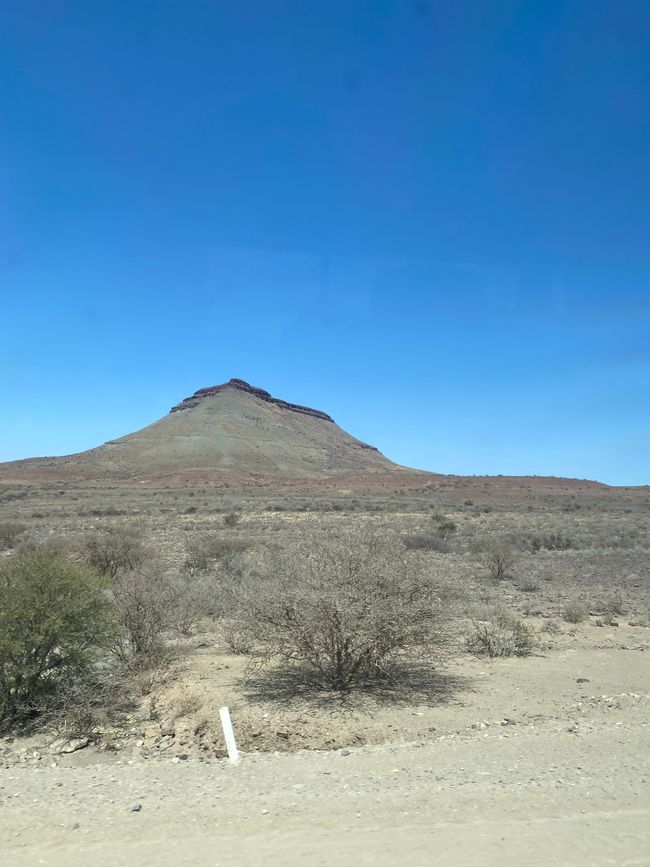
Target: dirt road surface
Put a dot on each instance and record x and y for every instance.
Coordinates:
(523, 796)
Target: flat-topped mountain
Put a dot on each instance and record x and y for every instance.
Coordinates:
(230, 433)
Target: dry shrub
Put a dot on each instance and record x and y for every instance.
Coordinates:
(183, 702)
(151, 604)
(114, 549)
(499, 562)
(551, 542)
(203, 553)
(426, 541)
(10, 533)
(504, 634)
(144, 600)
(575, 612)
(231, 519)
(342, 609)
(615, 604)
(92, 701)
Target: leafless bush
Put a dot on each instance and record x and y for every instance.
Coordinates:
(236, 638)
(615, 604)
(85, 705)
(426, 542)
(202, 553)
(499, 562)
(10, 533)
(505, 634)
(114, 549)
(145, 601)
(342, 610)
(194, 598)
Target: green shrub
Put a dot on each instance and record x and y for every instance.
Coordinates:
(53, 613)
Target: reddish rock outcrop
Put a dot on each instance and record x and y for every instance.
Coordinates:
(241, 385)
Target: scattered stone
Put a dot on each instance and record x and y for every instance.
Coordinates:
(183, 757)
(167, 729)
(509, 722)
(582, 680)
(221, 754)
(344, 752)
(165, 743)
(64, 745)
(135, 808)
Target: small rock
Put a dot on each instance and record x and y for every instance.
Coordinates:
(509, 722)
(221, 754)
(344, 752)
(135, 808)
(183, 757)
(165, 743)
(167, 729)
(64, 745)
(582, 680)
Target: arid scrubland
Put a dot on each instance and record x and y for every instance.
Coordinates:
(322, 622)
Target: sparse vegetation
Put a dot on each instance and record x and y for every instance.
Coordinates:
(342, 610)
(178, 580)
(145, 601)
(499, 562)
(504, 634)
(10, 534)
(575, 612)
(114, 549)
(231, 519)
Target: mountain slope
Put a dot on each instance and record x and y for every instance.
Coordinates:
(228, 432)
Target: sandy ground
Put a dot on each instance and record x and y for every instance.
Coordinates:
(517, 797)
(553, 782)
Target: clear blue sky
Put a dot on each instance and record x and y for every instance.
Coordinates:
(429, 219)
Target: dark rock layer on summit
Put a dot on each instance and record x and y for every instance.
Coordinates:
(242, 385)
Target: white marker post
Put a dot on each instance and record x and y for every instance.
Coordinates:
(229, 734)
